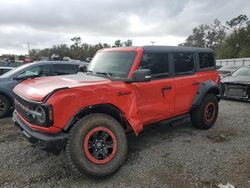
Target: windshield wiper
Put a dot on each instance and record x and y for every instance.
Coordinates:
(105, 73)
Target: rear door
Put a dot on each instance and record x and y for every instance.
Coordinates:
(155, 99)
(186, 81)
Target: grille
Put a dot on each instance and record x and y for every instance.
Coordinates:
(236, 90)
(23, 108)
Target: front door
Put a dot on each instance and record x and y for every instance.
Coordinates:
(155, 99)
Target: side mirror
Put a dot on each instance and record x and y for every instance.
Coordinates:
(82, 68)
(142, 75)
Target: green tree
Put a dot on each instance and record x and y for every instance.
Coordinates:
(237, 43)
(118, 43)
(77, 50)
(76, 42)
(128, 43)
(207, 36)
(238, 22)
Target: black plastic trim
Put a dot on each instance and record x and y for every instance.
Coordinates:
(52, 143)
(205, 88)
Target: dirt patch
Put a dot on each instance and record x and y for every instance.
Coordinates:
(223, 136)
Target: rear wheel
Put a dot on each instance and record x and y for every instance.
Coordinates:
(4, 106)
(97, 145)
(206, 114)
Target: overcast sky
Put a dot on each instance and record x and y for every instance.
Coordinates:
(43, 23)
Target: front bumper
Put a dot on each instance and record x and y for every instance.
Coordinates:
(246, 99)
(235, 91)
(52, 143)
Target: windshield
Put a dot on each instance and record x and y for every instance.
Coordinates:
(115, 64)
(243, 71)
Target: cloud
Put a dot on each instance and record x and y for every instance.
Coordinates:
(48, 22)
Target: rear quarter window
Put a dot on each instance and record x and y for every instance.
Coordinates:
(206, 60)
(63, 69)
(4, 71)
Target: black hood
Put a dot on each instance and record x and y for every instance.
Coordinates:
(236, 79)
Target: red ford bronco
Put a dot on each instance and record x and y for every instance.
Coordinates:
(124, 89)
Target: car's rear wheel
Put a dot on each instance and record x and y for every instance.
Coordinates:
(97, 145)
(206, 114)
(4, 106)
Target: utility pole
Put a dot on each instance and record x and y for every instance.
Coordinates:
(152, 42)
(28, 48)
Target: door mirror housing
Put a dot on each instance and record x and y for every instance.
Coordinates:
(142, 75)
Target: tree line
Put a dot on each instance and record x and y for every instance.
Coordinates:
(229, 40)
(77, 50)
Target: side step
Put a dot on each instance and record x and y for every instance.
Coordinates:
(177, 120)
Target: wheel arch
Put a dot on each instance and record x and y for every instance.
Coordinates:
(8, 96)
(107, 109)
(207, 87)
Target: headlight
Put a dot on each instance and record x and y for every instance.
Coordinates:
(43, 115)
(40, 115)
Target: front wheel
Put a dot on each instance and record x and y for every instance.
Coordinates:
(206, 114)
(97, 145)
(4, 106)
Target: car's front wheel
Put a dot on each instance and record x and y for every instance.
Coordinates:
(97, 145)
(206, 114)
(4, 106)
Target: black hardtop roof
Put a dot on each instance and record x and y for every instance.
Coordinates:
(176, 49)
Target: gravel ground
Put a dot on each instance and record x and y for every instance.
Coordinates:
(161, 156)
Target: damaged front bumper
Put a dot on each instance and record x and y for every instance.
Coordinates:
(52, 143)
(235, 91)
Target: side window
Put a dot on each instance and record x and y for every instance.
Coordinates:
(77, 68)
(63, 69)
(157, 62)
(39, 71)
(183, 63)
(206, 60)
(4, 71)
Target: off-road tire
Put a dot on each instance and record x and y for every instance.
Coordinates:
(4, 106)
(75, 149)
(198, 116)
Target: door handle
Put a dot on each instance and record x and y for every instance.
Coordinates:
(165, 89)
(195, 83)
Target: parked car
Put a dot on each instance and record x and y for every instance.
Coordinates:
(237, 86)
(227, 71)
(218, 66)
(39, 69)
(3, 70)
(123, 89)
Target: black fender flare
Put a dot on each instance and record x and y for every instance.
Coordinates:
(206, 87)
(108, 109)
